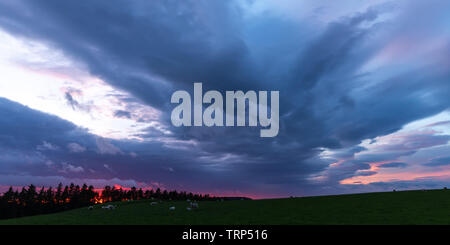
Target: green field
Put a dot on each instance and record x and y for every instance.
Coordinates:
(406, 207)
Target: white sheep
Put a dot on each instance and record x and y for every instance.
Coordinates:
(90, 207)
(109, 207)
(188, 208)
(194, 205)
(172, 208)
(153, 203)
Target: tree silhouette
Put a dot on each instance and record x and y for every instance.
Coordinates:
(30, 202)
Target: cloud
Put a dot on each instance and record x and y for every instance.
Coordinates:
(439, 161)
(107, 167)
(438, 123)
(76, 148)
(66, 167)
(25, 129)
(108, 161)
(393, 165)
(122, 114)
(74, 103)
(46, 146)
(105, 147)
(365, 173)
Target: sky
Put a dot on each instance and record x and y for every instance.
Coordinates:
(85, 89)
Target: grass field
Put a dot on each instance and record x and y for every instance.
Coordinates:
(406, 207)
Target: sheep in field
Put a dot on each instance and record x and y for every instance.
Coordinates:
(172, 208)
(109, 207)
(193, 205)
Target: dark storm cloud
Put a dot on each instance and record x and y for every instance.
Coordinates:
(123, 114)
(393, 165)
(141, 46)
(347, 153)
(31, 140)
(152, 48)
(440, 161)
(24, 128)
(365, 173)
(35, 143)
(71, 101)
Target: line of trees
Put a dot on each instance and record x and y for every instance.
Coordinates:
(30, 201)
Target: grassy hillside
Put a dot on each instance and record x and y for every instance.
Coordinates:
(408, 207)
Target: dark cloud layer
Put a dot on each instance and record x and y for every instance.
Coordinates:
(393, 165)
(440, 161)
(152, 48)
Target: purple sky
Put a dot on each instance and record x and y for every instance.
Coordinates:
(364, 94)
